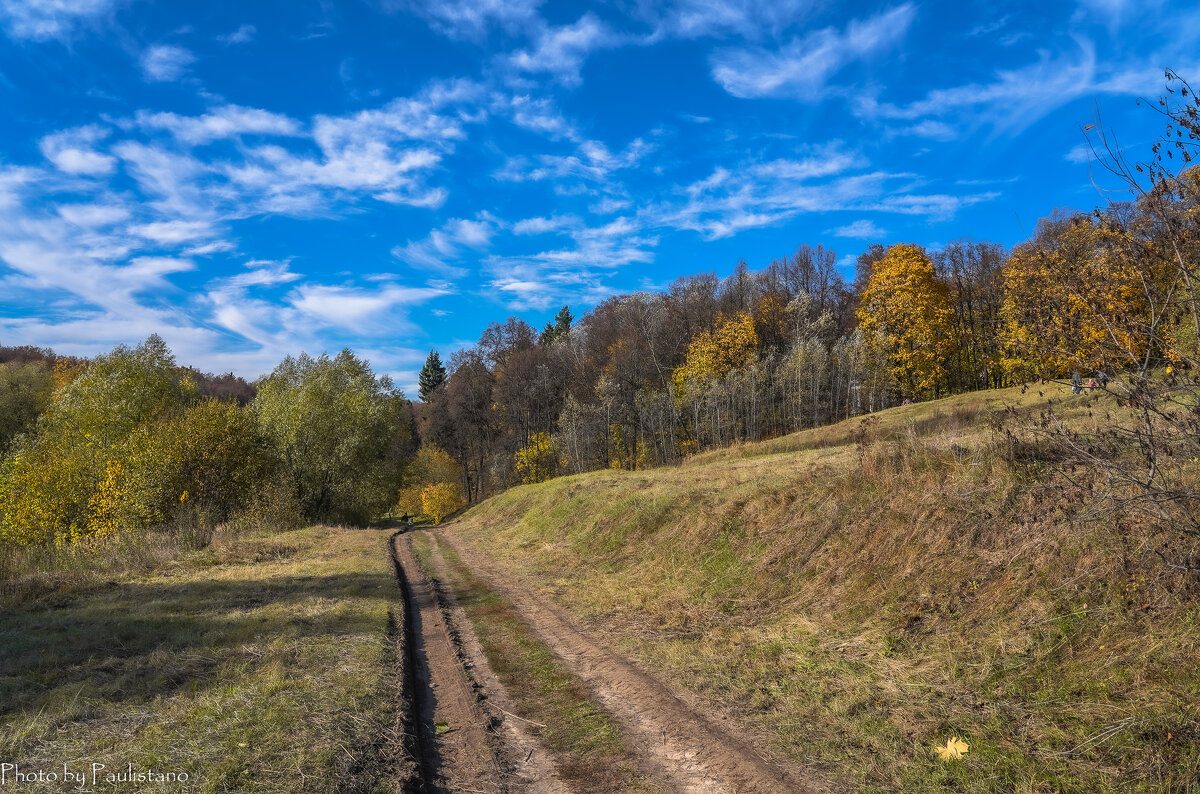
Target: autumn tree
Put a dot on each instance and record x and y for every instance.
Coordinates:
(1072, 299)
(908, 310)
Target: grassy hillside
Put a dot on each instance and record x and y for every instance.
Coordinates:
(260, 664)
(857, 594)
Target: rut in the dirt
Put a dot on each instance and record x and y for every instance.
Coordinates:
(457, 752)
(681, 745)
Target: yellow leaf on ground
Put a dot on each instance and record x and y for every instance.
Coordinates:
(955, 748)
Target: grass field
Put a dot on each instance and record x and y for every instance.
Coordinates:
(855, 595)
(257, 664)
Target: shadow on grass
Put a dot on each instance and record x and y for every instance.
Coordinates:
(140, 641)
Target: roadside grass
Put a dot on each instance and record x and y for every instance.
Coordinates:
(854, 595)
(588, 746)
(257, 664)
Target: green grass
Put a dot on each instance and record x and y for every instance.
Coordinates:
(261, 664)
(588, 746)
(852, 596)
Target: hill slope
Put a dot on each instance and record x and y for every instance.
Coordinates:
(854, 595)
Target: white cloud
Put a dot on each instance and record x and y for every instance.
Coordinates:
(570, 273)
(73, 151)
(445, 244)
(222, 122)
(544, 225)
(173, 232)
(753, 195)
(802, 68)
(536, 115)
(472, 20)
(1079, 154)
(748, 18)
(262, 273)
(91, 216)
(1017, 98)
(165, 63)
(860, 229)
(561, 51)
(243, 35)
(364, 311)
(593, 163)
(929, 128)
(40, 20)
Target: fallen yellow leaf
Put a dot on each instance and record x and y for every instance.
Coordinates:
(955, 748)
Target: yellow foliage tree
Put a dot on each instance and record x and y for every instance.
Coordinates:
(715, 354)
(537, 461)
(440, 500)
(1073, 299)
(430, 465)
(45, 488)
(908, 310)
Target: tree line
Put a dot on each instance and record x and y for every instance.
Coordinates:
(132, 440)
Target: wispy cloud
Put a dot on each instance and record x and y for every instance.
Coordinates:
(471, 20)
(165, 63)
(860, 229)
(445, 245)
(561, 51)
(802, 68)
(243, 35)
(368, 311)
(749, 18)
(1018, 98)
(222, 122)
(73, 151)
(39, 20)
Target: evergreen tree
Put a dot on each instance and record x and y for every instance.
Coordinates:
(432, 376)
(558, 326)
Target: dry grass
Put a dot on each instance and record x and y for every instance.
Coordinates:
(259, 664)
(859, 593)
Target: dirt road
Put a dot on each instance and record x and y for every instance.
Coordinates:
(486, 749)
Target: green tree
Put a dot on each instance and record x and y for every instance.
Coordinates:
(25, 390)
(117, 392)
(340, 431)
(433, 374)
(558, 327)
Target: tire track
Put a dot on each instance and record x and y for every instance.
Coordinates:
(528, 764)
(682, 746)
(457, 752)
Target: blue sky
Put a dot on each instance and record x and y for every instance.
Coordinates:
(256, 179)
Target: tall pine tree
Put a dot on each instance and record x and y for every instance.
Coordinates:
(557, 327)
(432, 376)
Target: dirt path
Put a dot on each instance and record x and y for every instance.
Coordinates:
(681, 745)
(457, 753)
(458, 697)
(529, 766)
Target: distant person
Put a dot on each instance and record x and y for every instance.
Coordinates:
(1102, 376)
(1076, 382)
(1091, 384)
